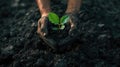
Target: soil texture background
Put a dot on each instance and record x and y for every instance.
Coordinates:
(97, 46)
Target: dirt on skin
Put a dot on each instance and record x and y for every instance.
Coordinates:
(97, 46)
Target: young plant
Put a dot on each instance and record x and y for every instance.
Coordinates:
(56, 20)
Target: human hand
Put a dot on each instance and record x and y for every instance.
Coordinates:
(42, 26)
(73, 31)
(42, 31)
(73, 21)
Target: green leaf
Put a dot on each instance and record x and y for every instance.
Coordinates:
(62, 27)
(55, 28)
(64, 19)
(53, 18)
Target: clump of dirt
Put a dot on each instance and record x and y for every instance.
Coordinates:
(97, 46)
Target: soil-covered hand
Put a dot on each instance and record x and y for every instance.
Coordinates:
(42, 26)
(73, 24)
(73, 31)
(42, 31)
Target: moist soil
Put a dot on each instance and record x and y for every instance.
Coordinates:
(97, 46)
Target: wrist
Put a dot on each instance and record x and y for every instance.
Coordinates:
(72, 11)
(44, 14)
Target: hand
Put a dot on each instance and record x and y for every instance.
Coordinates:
(43, 32)
(73, 24)
(42, 26)
(73, 32)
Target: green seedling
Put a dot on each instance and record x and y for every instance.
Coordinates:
(56, 20)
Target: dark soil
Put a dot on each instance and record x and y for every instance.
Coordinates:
(97, 46)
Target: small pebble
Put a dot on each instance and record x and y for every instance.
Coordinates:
(101, 25)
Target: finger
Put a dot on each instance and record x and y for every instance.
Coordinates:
(38, 28)
(73, 31)
(44, 29)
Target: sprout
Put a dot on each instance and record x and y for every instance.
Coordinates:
(54, 19)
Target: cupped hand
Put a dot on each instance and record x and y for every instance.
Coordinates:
(42, 26)
(73, 21)
(42, 31)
